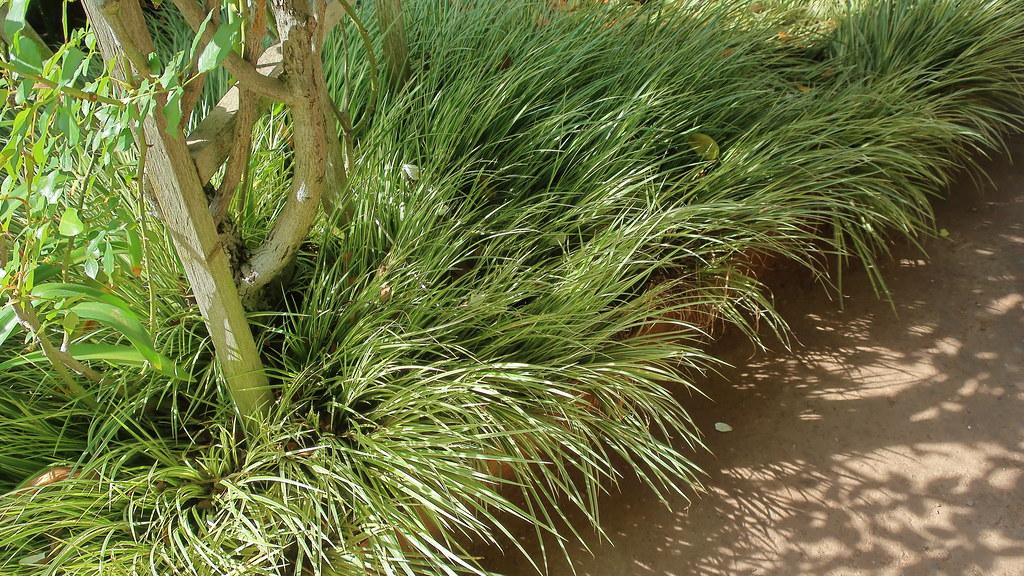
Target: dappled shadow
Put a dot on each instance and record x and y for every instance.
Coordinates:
(890, 442)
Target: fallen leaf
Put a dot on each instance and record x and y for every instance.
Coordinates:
(704, 145)
(411, 172)
(49, 477)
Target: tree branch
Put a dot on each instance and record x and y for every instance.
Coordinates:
(210, 142)
(190, 99)
(238, 160)
(248, 113)
(315, 143)
(246, 74)
(69, 90)
(61, 361)
(183, 205)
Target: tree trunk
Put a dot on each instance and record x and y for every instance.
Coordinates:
(396, 45)
(119, 26)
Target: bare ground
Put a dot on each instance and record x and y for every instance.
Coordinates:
(890, 442)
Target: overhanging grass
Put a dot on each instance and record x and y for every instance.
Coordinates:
(473, 344)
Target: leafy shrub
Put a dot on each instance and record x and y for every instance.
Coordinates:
(541, 223)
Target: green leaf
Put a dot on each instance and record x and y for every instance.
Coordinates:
(125, 323)
(26, 56)
(42, 232)
(199, 34)
(135, 252)
(20, 121)
(172, 109)
(219, 47)
(107, 309)
(59, 290)
(704, 145)
(153, 61)
(70, 224)
(37, 559)
(108, 260)
(70, 66)
(15, 19)
(30, 280)
(8, 322)
(73, 132)
(25, 92)
(109, 353)
(168, 79)
(92, 267)
(723, 427)
(39, 149)
(70, 321)
(49, 188)
(44, 272)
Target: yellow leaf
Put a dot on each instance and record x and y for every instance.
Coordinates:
(704, 145)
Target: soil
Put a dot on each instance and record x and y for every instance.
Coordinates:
(890, 441)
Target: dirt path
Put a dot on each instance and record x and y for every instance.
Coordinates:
(891, 443)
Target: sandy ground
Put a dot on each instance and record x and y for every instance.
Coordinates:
(890, 443)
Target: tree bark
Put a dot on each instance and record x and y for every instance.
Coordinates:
(119, 24)
(396, 45)
(318, 170)
(210, 142)
(291, 72)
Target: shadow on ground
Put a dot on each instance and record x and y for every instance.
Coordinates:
(890, 442)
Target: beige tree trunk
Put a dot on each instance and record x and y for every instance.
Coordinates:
(119, 29)
(396, 45)
(177, 166)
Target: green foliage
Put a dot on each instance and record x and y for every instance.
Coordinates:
(542, 221)
(67, 140)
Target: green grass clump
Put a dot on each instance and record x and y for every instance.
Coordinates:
(475, 341)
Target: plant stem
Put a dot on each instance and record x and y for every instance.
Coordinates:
(69, 90)
(318, 161)
(62, 362)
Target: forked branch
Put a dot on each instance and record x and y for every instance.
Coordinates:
(60, 359)
(245, 72)
(210, 142)
(317, 149)
(185, 211)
